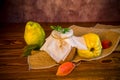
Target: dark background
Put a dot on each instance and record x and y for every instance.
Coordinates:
(20, 11)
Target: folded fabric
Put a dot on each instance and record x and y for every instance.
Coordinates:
(40, 60)
(59, 45)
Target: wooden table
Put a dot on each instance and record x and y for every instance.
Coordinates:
(15, 67)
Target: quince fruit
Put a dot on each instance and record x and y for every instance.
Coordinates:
(34, 34)
(93, 44)
(34, 37)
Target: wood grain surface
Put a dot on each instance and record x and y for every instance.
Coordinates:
(15, 67)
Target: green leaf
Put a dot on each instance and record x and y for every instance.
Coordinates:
(29, 48)
(60, 29)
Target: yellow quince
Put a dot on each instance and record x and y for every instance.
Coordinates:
(93, 44)
(34, 37)
(34, 33)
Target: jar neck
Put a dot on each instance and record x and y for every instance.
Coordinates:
(59, 35)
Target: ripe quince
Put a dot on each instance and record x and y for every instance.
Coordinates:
(34, 34)
(93, 44)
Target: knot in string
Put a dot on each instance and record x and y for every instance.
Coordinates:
(61, 40)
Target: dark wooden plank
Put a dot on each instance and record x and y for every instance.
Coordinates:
(13, 43)
(10, 52)
(50, 73)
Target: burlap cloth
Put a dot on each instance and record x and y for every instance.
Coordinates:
(112, 28)
(41, 60)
